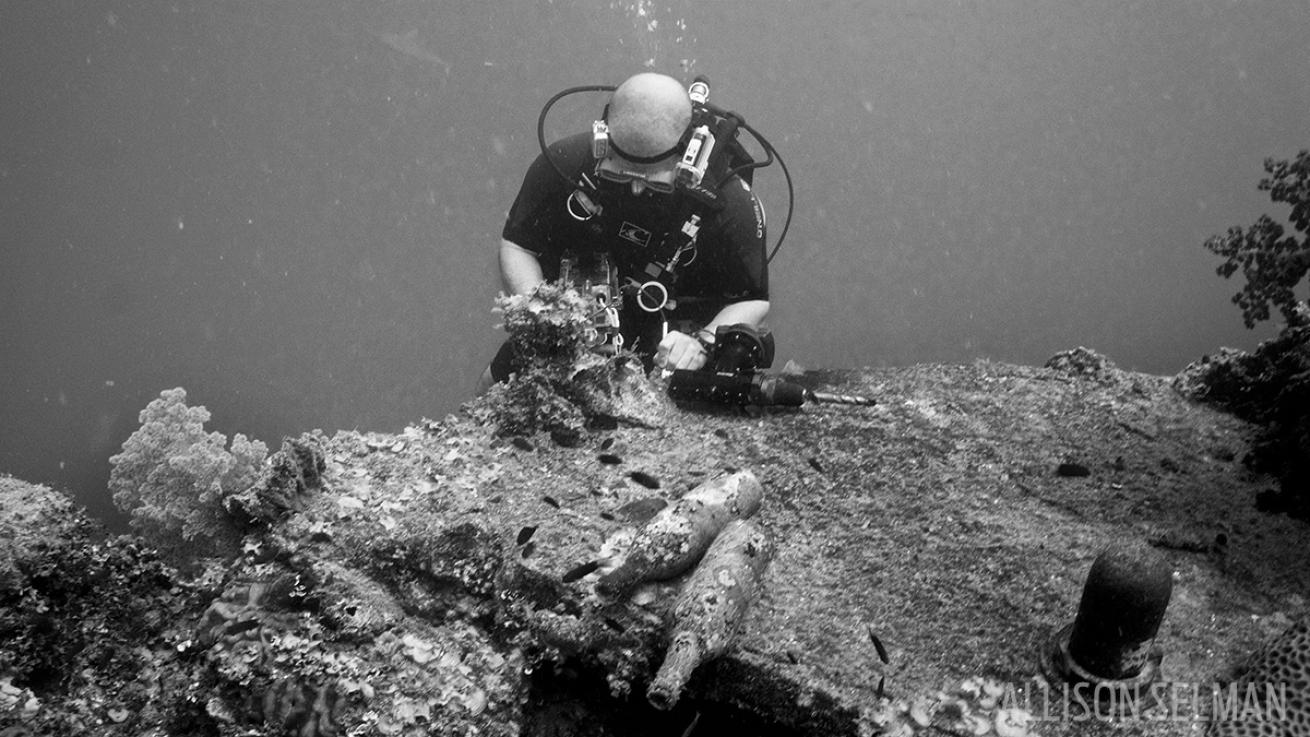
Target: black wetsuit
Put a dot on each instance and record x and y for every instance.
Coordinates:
(729, 263)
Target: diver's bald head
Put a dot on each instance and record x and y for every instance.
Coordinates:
(648, 114)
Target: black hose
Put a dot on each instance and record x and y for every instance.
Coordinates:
(541, 122)
(786, 173)
(770, 152)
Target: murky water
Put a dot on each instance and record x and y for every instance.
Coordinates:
(291, 208)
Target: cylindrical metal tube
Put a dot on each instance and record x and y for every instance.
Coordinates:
(1122, 606)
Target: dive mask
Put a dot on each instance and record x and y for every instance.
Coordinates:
(659, 177)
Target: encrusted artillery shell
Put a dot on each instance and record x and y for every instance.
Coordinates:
(675, 538)
(712, 606)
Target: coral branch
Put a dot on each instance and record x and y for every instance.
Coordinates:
(1274, 263)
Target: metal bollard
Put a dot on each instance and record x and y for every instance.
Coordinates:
(1111, 642)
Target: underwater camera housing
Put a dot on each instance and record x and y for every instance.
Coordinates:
(741, 349)
(713, 154)
(731, 375)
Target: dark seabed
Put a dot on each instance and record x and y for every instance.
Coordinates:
(291, 208)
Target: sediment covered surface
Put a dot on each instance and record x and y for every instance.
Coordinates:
(420, 589)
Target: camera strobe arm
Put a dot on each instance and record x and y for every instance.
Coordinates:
(751, 388)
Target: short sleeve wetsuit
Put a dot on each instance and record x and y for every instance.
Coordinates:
(729, 263)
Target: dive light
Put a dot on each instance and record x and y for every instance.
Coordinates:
(691, 169)
(600, 139)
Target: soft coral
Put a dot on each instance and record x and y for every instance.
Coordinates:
(173, 477)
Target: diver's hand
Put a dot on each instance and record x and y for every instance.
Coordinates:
(680, 351)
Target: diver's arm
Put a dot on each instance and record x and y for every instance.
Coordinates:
(682, 351)
(520, 271)
(752, 312)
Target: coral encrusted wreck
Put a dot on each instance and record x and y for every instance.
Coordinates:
(559, 384)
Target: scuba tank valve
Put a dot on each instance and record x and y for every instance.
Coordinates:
(699, 91)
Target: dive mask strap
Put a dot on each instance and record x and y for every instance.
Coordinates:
(675, 149)
(601, 129)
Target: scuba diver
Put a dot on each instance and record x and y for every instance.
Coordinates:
(653, 211)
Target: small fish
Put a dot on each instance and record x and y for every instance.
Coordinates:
(522, 443)
(691, 727)
(609, 459)
(577, 572)
(551, 501)
(607, 443)
(614, 625)
(607, 516)
(721, 433)
(877, 645)
(528, 549)
(408, 43)
(882, 681)
(645, 479)
(525, 534)
(793, 657)
(566, 438)
(814, 463)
